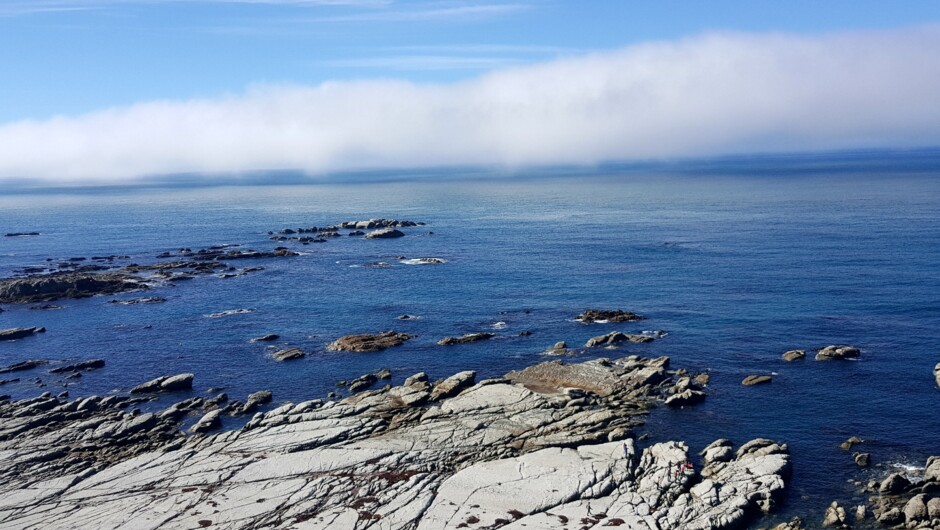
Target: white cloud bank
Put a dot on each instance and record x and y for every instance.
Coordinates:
(711, 94)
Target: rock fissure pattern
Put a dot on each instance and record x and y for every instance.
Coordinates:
(548, 447)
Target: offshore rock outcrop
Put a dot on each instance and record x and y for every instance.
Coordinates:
(50, 287)
(490, 454)
(369, 342)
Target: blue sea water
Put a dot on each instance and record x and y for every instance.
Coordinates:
(736, 267)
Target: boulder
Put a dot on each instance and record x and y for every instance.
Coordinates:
(794, 355)
(606, 315)
(835, 516)
(894, 484)
(685, 398)
(369, 342)
(916, 509)
(385, 233)
(465, 339)
(862, 459)
(453, 385)
(261, 397)
(362, 382)
(933, 508)
(19, 333)
(210, 421)
(932, 469)
(288, 354)
(165, 384)
(752, 380)
(846, 445)
(560, 348)
(837, 352)
(266, 338)
(615, 337)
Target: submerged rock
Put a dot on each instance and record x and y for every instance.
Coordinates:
(288, 354)
(605, 315)
(836, 352)
(369, 342)
(266, 338)
(23, 365)
(465, 339)
(76, 367)
(19, 333)
(385, 233)
(615, 337)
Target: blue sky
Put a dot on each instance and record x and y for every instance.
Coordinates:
(71, 56)
(119, 89)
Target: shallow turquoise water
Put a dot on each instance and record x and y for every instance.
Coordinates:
(737, 269)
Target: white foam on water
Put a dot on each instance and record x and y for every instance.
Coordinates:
(499, 325)
(229, 312)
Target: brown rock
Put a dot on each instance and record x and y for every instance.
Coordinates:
(288, 354)
(752, 380)
(369, 342)
(837, 352)
(19, 333)
(794, 355)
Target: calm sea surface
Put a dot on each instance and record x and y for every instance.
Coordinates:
(737, 269)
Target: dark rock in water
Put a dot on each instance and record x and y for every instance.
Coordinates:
(19, 333)
(615, 337)
(525, 333)
(135, 301)
(165, 384)
(373, 224)
(794, 355)
(288, 354)
(894, 484)
(21, 234)
(362, 383)
(385, 233)
(752, 380)
(604, 315)
(685, 398)
(266, 338)
(45, 307)
(465, 339)
(408, 317)
(862, 459)
(837, 352)
(356, 233)
(5, 381)
(261, 397)
(84, 365)
(369, 342)
(846, 445)
(560, 348)
(384, 373)
(21, 366)
(65, 285)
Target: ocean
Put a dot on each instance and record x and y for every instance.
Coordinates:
(737, 263)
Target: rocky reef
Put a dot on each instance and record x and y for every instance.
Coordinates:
(548, 447)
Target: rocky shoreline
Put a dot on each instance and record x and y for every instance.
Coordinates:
(551, 446)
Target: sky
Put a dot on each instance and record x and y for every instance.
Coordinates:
(115, 90)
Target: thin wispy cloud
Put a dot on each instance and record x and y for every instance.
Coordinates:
(430, 13)
(13, 8)
(711, 94)
(412, 63)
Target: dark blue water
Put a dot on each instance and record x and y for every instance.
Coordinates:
(736, 269)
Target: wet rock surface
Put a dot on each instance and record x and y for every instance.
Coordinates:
(369, 342)
(837, 352)
(455, 454)
(465, 339)
(615, 337)
(606, 315)
(752, 380)
(19, 333)
(65, 285)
